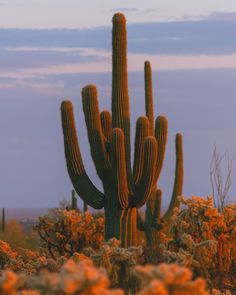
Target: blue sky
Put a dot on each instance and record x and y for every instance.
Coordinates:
(49, 54)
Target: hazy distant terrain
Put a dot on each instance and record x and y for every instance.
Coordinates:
(25, 213)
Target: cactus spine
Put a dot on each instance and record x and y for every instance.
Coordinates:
(124, 189)
(153, 221)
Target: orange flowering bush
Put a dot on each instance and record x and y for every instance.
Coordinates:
(27, 261)
(74, 278)
(205, 239)
(6, 254)
(68, 231)
(168, 279)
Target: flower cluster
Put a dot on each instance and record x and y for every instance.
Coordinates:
(27, 261)
(6, 254)
(68, 231)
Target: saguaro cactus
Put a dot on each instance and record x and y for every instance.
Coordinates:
(3, 220)
(74, 205)
(124, 189)
(152, 224)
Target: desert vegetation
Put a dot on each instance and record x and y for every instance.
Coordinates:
(132, 247)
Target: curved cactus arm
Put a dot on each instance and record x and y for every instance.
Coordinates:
(144, 185)
(142, 130)
(95, 135)
(119, 167)
(106, 123)
(179, 177)
(81, 182)
(149, 96)
(161, 132)
(120, 97)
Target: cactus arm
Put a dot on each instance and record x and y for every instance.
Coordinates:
(81, 182)
(149, 96)
(161, 132)
(120, 97)
(144, 185)
(142, 129)
(119, 167)
(95, 135)
(179, 173)
(157, 206)
(106, 123)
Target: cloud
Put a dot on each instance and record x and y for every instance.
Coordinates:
(209, 43)
(124, 9)
(212, 35)
(222, 16)
(148, 10)
(32, 57)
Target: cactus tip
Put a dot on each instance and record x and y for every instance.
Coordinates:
(118, 18)
(66, 105)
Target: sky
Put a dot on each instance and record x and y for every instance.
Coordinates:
(50, 49)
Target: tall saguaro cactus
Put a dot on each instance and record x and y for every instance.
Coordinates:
(125, 188)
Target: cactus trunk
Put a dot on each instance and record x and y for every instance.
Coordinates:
(121, 224)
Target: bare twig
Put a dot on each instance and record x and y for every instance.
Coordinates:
(220, 188)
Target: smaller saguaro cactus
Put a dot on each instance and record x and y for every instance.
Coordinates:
(3, 220)
(74, 205)
(85, 207)
(153, 222)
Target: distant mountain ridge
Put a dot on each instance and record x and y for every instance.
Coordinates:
(33, 213)
(25, 213)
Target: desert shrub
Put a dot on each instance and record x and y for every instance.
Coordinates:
(6, 254)
(168, 279)
(68, 231)
(118, 262)
(111, 270)
(27, 261)
(14, 235)
(205, 240)
(74, 278)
